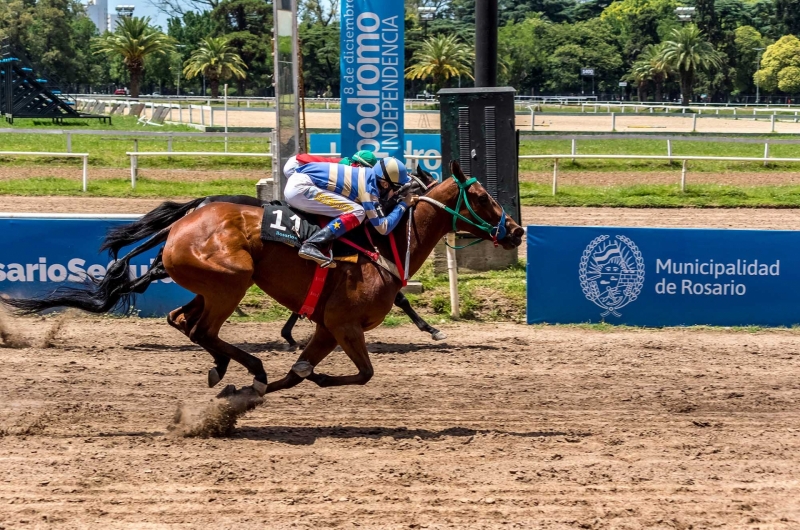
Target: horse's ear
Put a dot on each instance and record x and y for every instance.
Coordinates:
(455, 170)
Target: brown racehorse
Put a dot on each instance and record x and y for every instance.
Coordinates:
(216, 252)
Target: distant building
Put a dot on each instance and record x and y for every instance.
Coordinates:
(97, 11)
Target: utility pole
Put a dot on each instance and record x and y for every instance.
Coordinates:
(486, 43)
(758, 61)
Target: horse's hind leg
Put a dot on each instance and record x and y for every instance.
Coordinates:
(217, 308)
(184, 319)
(402, 302)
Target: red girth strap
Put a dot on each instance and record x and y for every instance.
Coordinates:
(397, 261)
(371, 255)
(314, 292)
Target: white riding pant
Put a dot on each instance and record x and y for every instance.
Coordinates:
(290, 167)
(303, 194)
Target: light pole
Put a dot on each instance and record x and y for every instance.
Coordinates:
(684, 13)
(426, 14)
(180, 64)
(758, 57)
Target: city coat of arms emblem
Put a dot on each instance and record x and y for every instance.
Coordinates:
(611, 273)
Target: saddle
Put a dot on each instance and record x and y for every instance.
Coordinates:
(284, 224)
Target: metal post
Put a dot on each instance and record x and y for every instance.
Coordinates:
(486, 43)
(69, 144)
(683, 176)
(555, 176)
(694, 122)
(766, 153)
(669, 150)
(225, 94)
(85, 172)
(191, 119)
(613, 122)
(532, 117)
(212, 114)
(574, 148)
(169, 144)
(734, 114)
(134, 164)
(180, 112)
(773, 121)
(452, 274)
(202, 115)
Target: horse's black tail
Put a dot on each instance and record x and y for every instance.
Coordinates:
(158, 219)
(116, 289)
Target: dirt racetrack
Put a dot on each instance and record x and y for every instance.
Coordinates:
(501, 426)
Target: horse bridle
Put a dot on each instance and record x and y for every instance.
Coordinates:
(497, 232)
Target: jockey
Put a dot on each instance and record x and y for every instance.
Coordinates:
(360, 159)
(349, 194)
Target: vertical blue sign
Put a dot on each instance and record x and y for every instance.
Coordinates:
(372, 60)
(416, 146)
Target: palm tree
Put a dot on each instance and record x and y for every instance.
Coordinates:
(649, 67)
(134, 39)
(687, 52)
(441, 57)
(216, 60)
(640, 74)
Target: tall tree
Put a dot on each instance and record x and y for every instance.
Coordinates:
(649, 68)
(217, 61)
(247, 26)
(133, 40)
(749, 44)
(780, 66)
(687, 52)
(439, 59)
(788, 12)
(16, 17)
(705, 18)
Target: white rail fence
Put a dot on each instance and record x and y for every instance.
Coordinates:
(84, 156)
(135, 155)
(772, 114)
(684, 158)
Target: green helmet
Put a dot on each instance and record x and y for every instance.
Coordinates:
(365, 158)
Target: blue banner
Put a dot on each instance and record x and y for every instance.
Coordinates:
(415, 145)
(663, 277)
(372, 76)
(39, 255)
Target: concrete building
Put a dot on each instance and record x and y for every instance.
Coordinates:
(97, 11)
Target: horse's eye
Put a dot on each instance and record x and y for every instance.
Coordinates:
(484, 199)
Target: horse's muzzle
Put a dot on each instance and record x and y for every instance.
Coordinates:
(514, 238)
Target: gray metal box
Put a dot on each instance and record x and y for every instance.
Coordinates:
(478, 130)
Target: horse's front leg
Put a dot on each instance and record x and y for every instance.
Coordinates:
(320, 345)
(402, 302)
(351, 338)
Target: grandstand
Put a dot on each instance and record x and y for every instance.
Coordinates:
(27, 91)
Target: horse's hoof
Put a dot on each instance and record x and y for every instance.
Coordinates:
(290, 347)
(302, 368)
(228, 391)
(439, 335)
(259, 387)
(213, 378)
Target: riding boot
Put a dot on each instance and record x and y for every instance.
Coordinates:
(314, 248)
